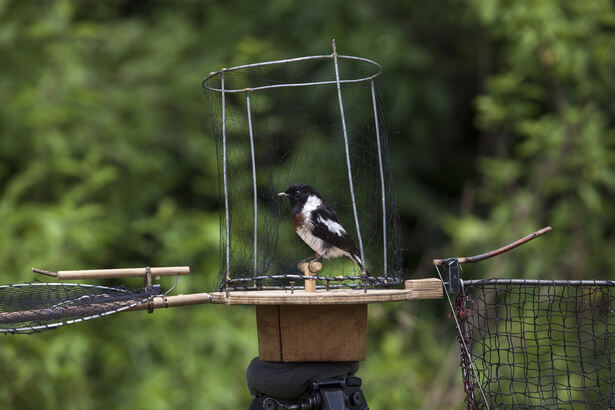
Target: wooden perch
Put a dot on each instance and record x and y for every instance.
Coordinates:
(115, 273)
(310, 269)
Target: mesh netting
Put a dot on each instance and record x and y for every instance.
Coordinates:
(36, 307)
(539, 344)
(279, 123)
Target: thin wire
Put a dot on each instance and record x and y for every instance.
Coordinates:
(463, 342)
(173, 287)
(224, 166)
(291, 60)
(253, 183)
(384, 210)
(538, 282)
(390, 279)
(354, 203)
(61, 284)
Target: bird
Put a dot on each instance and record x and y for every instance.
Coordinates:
(317, 224)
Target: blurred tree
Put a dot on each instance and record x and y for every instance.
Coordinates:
(547, 139)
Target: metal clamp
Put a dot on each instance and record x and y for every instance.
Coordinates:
(454, 281)
(148, 288)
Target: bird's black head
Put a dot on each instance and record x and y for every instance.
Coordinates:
(298, 193)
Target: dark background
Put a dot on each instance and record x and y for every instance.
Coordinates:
(500, 117)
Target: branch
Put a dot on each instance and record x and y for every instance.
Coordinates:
(496, 252)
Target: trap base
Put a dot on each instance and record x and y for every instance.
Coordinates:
(321, 326)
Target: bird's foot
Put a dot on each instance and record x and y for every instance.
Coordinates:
(317, 267)
(312, 262)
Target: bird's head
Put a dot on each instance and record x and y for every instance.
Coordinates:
(298, 193)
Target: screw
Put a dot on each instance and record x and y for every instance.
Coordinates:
(269, 404)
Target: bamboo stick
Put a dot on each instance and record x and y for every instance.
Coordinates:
(122, 273)
(177, 300)
(97, 309)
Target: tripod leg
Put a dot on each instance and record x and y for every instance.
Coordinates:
(333, 399)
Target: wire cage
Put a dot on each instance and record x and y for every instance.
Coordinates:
(312, 120)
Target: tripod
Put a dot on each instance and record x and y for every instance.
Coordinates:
(305, 386)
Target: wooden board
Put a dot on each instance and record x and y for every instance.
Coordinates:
(294, 333)
(415, 289)
(268, 329)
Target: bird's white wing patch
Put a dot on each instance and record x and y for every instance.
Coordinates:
(333, 226)
(312, 203)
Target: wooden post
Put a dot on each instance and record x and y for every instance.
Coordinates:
(304, 267)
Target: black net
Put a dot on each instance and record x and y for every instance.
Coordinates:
(36, 307)
(298, 138)
(539, 344)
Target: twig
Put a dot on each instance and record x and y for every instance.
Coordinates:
(45, 272)
(495, 252)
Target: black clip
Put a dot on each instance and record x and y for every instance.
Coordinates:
(454, 282)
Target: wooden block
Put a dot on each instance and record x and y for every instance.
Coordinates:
(312, 332)
(430, 288)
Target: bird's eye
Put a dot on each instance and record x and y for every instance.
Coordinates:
(297, 193)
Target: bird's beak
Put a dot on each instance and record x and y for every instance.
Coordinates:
(283, 194)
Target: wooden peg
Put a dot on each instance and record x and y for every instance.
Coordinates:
(310, 269)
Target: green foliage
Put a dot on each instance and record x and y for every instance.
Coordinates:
(548, 130)
(500, 121)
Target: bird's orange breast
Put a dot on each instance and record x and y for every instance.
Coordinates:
(298, 220)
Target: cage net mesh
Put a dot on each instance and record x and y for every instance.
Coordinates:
(36, 307)
(298, 138)
(539, 344)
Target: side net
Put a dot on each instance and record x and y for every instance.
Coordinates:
(538, 343)
(36, 307)
(279, 123)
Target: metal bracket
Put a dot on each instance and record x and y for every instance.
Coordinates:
(336, 394)
(454, 282)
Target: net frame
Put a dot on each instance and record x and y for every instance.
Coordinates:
(571, 325)
(42, 314)
(229, 282)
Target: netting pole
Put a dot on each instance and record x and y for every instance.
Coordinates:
(384, 209)
(253, 184)
(466, 368)
(346, 145)
(225, 178)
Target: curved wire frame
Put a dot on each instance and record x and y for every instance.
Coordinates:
(43, 313)
(292, 60)
(228, 282)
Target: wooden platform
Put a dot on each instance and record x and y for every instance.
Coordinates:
(414, 289)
